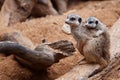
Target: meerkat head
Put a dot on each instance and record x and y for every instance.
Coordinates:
(91, 22)
(73, 20)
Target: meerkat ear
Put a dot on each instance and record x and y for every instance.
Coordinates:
(80, 20)
(96, 22)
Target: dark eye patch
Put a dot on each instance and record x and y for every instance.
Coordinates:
(80, 20)
(96, 22)
(90, 22)
(72, 19)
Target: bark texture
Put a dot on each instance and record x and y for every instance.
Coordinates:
(42, 57)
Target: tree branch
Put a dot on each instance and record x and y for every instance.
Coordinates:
(39, 59)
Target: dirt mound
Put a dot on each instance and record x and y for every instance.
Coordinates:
(49, 27)
(11, 70)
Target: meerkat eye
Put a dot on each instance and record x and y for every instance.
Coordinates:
(90, 22)
(96, 22)
(72, 19)
(80, 20)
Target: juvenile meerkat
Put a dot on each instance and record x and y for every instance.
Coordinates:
(97, 28)
(94, 49)
(94, 23)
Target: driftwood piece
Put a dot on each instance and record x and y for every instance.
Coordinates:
(114, 65)
(40, 58)
(81, 72)
(17, 37)
(14, 11)
(60, 5)
(43, 8)
(1, 3)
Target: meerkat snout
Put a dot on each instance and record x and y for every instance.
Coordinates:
(73, 20)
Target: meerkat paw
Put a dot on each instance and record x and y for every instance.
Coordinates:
(96, 35)
(83, 61)
(93, 73)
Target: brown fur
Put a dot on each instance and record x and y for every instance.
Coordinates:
(97, 50)
(94, 49)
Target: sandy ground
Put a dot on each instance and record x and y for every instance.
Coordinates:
(49, 27)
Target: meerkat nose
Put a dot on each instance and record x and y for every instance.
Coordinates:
(84, 24)
(66, 22)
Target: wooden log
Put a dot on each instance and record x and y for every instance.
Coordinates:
(60, 5)
(17, 37)
(113, 65)
(1, 3)
(43, 8)
(81, 72)
(50, 53)
(14, 11)
(42, 57)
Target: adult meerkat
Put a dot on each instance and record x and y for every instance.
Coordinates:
(94, 49)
